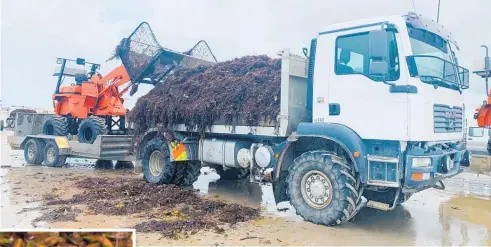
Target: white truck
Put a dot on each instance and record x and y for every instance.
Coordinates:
(374, 110)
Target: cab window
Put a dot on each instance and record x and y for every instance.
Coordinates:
(476, 132)
(352, 55)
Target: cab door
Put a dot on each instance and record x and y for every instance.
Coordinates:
(346, 93)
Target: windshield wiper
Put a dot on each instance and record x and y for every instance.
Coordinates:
(440, 82)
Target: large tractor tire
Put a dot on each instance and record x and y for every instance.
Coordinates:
(34, 151)
(90, 128)
(186, 173)
(322, 188)
(232, 173)
(52, 157)
(157, 167)
(57, 126)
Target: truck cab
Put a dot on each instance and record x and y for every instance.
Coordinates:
(386, 99)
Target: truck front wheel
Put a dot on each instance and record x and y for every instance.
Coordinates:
(322, 188)
(157, 167)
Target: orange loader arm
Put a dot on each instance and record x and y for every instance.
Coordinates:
(117, 77)
(108, 100)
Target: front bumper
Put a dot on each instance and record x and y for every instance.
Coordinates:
(419, 178)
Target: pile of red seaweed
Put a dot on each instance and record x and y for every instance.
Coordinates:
(246, 88)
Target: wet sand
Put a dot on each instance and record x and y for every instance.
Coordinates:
(460, 215)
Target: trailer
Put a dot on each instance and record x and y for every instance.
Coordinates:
(53, 150)
(367, 118)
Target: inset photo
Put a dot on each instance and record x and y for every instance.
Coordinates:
(68, 238)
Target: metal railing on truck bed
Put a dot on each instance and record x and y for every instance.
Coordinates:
(293, 104)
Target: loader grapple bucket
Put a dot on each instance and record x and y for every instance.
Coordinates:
(146, 61)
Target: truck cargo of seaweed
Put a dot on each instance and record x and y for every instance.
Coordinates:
(372, 113)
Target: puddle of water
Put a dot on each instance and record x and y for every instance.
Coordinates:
(243, 192)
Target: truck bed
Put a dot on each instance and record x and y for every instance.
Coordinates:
(105, 147)
(293, 109)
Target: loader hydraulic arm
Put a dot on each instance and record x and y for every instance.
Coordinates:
(114, 79)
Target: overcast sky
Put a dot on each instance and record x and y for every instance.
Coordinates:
(34, 33)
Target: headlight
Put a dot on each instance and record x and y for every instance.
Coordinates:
(421, 162)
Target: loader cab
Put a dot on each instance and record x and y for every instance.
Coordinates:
(78, 70)
(389, 78)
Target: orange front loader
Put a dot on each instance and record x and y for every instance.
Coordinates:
(90, 106)
(93, 105)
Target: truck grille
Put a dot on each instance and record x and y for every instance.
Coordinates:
(447, 119)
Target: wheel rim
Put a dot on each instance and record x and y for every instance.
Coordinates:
(156, 163)
(50, 155)
(31, 151)
(316, 189)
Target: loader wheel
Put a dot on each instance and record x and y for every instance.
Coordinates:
(157, 168)
(52, 157)
(57, 126)
(120, 164)
(186, 173)
(232, 173)
(33, 151)
(90, 128)
(103, 164)
(322, 188)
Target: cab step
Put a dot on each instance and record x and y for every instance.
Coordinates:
(379, 205)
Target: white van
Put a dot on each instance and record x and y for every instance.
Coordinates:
(477, 140)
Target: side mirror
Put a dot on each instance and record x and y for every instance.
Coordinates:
(378, 50)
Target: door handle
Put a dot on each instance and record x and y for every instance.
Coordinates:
(469, 138)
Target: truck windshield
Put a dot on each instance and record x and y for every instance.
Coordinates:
(434, 61)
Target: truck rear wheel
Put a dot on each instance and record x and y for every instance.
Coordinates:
(90, 128)
(186, 173)
(322, 188)
(33, 151)
(57, 126)
(52, 157)
(232, 173)
(157, 167)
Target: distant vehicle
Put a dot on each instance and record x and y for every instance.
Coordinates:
(478, 140)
